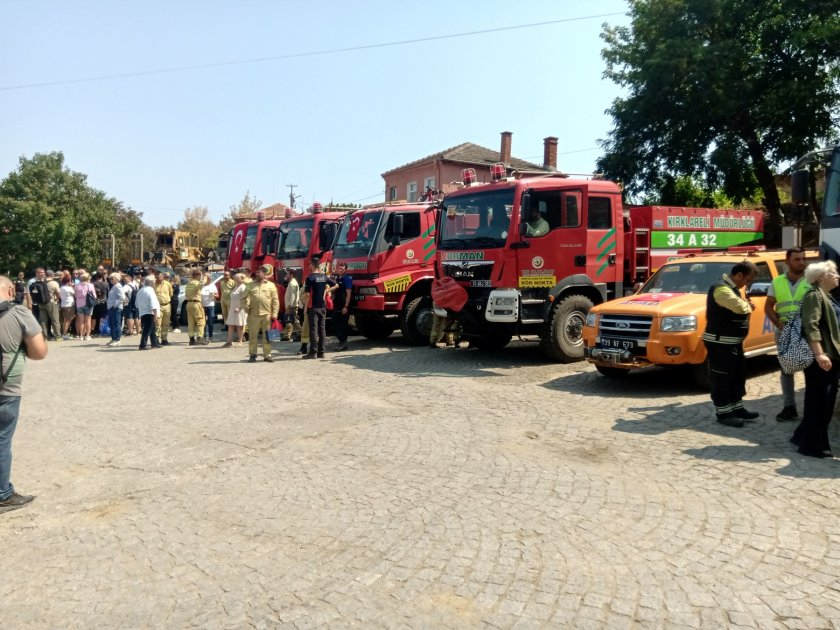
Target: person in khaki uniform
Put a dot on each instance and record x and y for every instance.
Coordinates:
(163, 289)
(261, 302)
(226, 285)
(292, 299)
(195, 312)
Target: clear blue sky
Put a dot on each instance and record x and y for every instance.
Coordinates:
(329, 123)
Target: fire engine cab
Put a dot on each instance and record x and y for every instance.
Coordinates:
(535, 254)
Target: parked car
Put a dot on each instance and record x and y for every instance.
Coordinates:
(182, 304)
(663, 323)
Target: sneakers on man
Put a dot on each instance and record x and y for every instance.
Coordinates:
(109, 344)
(267, 358)
(15, 502)
(115, 344)
(192, 341)
(252, 358)
(341, 347)
(303, 349)
(309, 356)
(729, 420)
(177, 331)
(788, 414)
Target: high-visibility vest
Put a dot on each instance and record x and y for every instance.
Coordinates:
(787, 304)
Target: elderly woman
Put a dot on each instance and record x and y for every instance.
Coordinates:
(236, 313)
(820, 328)
(115, 303)
(83, 311)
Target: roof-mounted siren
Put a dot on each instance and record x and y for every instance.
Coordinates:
(468, 176)
(497, 172)
(317, 208)
(260, 215)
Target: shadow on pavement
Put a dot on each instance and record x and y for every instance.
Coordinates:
(418, 361)
(769, 438)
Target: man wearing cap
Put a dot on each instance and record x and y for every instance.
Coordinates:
(50, 323)
(163, 290)
(261, 303)
(195, 312)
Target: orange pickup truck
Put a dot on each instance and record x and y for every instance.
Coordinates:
(662, 323)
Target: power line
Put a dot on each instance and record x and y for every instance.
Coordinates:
(314, 53)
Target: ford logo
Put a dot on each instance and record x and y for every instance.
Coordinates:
(622, 325)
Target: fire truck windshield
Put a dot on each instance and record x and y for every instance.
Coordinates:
(250, 241)
(295, 239)
(476, 221)
(358, 234)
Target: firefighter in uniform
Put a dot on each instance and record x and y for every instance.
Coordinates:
(727, 324)
(195, 312)
(783, 299)
(163, 289)
(226, 285)
(262, 303)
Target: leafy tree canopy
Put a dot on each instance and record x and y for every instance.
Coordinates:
(197, 220)
(49, 215)
(720, 90)
(248, 205)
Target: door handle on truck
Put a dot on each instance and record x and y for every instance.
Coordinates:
(611, 259)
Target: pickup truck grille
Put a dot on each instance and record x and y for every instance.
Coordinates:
(625, 326)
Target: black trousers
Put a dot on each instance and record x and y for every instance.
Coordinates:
(147, 329)
(820, 396)
(340, 323)
(729, 379)
(317, 329)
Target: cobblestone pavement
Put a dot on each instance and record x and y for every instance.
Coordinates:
(396, 487)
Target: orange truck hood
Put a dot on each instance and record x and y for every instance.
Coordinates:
(656, 304)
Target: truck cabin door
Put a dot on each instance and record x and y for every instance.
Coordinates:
(398, 246)
(603, 247)
(552, 226)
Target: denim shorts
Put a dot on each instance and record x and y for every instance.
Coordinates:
(84, 310)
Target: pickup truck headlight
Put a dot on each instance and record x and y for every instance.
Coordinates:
(591, 319)
(367, 290)
(682, 323)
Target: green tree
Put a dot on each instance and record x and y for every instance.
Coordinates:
(721, 90)
(49, 215)
(197, 220)
(248, 205)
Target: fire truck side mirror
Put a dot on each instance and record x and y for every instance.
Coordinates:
(397, 230)
(799, 186)
(524, 213)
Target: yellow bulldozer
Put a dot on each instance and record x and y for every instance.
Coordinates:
(177, 250)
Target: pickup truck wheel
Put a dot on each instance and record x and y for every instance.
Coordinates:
(611, 372)
(416, 321)
(701, 376)
(374, 327)
(494, 341)
(563, 338)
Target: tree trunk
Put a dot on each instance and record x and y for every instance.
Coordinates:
(763, 173)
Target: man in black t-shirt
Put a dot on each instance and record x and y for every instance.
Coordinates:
(342, 294)
(314, 288)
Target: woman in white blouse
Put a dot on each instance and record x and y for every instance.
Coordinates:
(208, 302)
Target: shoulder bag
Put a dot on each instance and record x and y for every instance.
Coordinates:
(795, 352)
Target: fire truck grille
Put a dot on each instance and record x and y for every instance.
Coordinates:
(469, 270)
(625, 326)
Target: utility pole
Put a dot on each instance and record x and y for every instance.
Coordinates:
(292, 195)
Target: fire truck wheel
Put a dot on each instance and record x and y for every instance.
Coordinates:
(373, 327)
(563, 338)
(416, 321)
(612, 372)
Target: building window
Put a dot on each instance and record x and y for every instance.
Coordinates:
(429, 183)
(411, 192)
(392, 193)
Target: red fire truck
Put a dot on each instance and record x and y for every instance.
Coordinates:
(535, 254)
(303, 236)
(389, 250)
(252, 244)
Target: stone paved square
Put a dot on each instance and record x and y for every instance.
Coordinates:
(397, 487)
